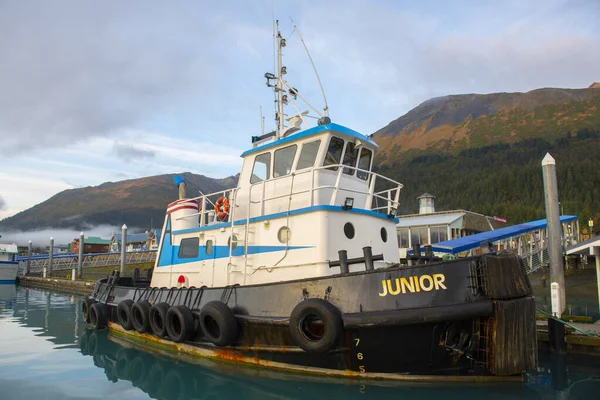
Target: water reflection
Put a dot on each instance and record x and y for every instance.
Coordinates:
(46, 351)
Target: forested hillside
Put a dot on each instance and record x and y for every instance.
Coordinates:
(506, 179)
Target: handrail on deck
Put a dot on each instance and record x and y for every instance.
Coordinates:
(390, 197)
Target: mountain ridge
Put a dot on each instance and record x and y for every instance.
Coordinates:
(457, 122)
(135, 202)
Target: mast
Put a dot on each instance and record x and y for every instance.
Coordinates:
(279, 90)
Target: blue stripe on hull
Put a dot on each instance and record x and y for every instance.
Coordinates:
(169, 254)
(8, 281)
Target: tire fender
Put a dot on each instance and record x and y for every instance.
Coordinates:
(316, 309)
(124, 314)
(85, 308)
(158, 319)
(98, 316)
(140, 312)
(218, 323)
(180, 323)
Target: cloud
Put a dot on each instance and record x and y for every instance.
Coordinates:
(73, 70)
(396, 57)
(129, 152)
(2, 203)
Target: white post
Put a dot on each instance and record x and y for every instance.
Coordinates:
(80, 259)
(556, 303)
(73, 274)
(51, 255)
(44, 273)
(123, 248)
(29, 251)
(555, 248)
(596, 252)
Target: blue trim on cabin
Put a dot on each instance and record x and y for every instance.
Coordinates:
(7, 281)
(311, 132)
(170, 254)
(284, 214)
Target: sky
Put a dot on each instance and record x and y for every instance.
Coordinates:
(92, 92)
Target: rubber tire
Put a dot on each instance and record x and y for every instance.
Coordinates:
(85, 309)
(225, 320)
(158, 319)
(98, 316)
(140, 312)
(124, 314)
(180, 324)
(332, 324)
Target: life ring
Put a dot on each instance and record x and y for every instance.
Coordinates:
(218, 323)
(124, 314)
(316, 325)
(140, 312)
(180, 323)
(85, 309)
(222, 202)
(98, 316)
(158, 319)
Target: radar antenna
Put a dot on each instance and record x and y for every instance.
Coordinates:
(284, 93)
(326, 109)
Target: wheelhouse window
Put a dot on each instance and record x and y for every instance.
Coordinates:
(308, 155)
(260, 171)
(364, 162)
(350, 158)
(334, 152)
(284, 159)
(189, 248)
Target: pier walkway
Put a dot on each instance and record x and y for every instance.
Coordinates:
(68, 261)
(529, 240)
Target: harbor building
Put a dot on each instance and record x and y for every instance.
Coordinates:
(430, 227)
(91, 244)
(135, 242)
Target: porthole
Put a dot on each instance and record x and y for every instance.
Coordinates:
(232, 242)
(349, 230)
(284, 234)
(384, 235)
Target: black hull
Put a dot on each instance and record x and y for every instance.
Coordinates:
(467, 317)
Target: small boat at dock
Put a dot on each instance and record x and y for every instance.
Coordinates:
(297, 268)
(8, 264)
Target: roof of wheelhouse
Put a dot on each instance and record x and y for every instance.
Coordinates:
(311, 132)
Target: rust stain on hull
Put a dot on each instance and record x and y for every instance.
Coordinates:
(237, 357)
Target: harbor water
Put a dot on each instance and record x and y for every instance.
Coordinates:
(46, 351)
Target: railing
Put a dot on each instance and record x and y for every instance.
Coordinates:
(385, 201)
(70, 261)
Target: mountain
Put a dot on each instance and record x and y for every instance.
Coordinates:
(135, 202)
(505, 179)
(458, 122)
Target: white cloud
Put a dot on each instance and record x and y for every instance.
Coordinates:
(83, 83)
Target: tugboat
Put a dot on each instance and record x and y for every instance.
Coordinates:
(298, 269)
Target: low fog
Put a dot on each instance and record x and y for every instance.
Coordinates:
(41, 238)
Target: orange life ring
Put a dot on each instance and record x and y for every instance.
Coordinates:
(222, 202)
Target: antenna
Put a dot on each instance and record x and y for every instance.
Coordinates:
(262, 122)
(326, 109)
(279, 87)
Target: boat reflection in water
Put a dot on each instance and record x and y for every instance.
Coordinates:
(43, 342)
(164, 377)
